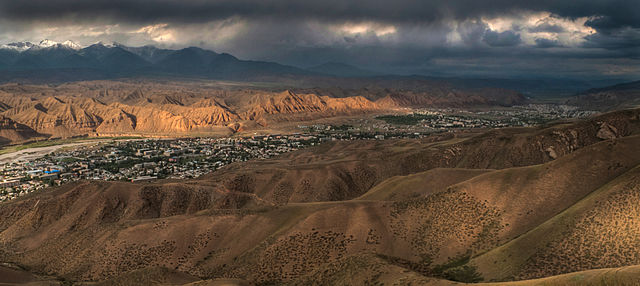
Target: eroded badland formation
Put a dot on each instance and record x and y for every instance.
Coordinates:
(108, 108)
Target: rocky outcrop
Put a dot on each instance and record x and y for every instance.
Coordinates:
(13, 132)
(607, 131)
(288, 102)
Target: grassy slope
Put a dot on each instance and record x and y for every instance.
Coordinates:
(372, 270)
(419, 184)
(629, 275)
(283, 234)
(528, 196)
(508, 260)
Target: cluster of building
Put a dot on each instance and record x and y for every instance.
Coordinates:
(138, 160)
(149, 159)
(533, 114)
(425, 120)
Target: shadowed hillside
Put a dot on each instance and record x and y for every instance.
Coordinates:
(625, 95)
(597, 232)
(420, 184)
(507, 204)
(13, 132)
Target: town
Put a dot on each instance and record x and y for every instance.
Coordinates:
(434, 120)
(139, 160)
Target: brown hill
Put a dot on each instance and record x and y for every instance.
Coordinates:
(347, 170)
(13, 132)
(397, 94)
(69, 115)
(625, 95)
(148, 107)
(286, 105)
(401, 188)
(369, 269)
(597, 232)
(291, 219)
(15, 276)
(358, 270)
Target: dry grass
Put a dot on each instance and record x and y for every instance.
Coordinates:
(419, 185)
(283, 220)
(599, 231)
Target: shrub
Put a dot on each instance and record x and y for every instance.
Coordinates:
(465, 273)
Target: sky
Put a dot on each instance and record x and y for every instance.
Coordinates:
(580, 39)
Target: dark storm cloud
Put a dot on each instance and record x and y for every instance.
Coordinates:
(447, 36)
(503, 39)
(626, 39)
(602, 23)
(472, 32)
(618, 12)
(546, 43)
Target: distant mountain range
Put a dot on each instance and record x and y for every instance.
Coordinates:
(341, 69)
(50, 61)
(25, 58)
(44, 44)
(619, 96)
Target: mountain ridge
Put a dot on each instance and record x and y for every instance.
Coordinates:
(120, 60)
(66, 62)
(342, 69)
(159, 108)
(619, 96)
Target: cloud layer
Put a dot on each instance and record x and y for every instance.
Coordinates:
(544, 38)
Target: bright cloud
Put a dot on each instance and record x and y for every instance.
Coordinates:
(543, 25)
(160, 33)
(365, 28)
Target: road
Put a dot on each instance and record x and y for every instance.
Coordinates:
(37, 152)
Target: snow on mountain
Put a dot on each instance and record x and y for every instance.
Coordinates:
(23, 46)
(46, 43)
(71, 44)
(112, 45)
(20, 46)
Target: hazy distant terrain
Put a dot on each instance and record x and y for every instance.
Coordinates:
(158, 107)
(53, 62)
(625, 95)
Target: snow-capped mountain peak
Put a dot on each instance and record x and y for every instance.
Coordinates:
(108, 45)
(23, 46)
(46, 43)
(19, 46)
(71, 45)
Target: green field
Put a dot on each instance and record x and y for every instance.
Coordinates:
(409, 119)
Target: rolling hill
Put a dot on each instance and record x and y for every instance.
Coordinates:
(497, 206)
